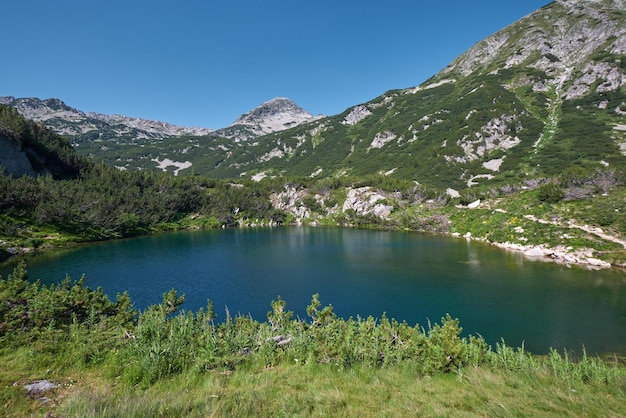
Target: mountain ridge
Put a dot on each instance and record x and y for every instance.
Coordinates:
(98, 135)
(271, 116)
(55, 109)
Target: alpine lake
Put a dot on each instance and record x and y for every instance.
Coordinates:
(411, 277)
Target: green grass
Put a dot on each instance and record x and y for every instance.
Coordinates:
(323, 391)
(502, 219)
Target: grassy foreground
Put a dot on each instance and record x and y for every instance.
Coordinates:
(316, 390)
(107, 360)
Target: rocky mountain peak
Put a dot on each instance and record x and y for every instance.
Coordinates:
(274, 115)
(554, 38)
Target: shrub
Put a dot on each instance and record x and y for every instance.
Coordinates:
(550, 193)
(27, 308)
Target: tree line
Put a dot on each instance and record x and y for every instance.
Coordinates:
(92, 201)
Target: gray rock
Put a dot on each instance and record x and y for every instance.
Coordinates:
(40, 386)
(13, 159)
(534, 252)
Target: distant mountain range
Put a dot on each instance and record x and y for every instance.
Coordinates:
(545, 93)
(76, 124)
(115, 138)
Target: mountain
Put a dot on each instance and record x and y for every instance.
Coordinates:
(541, 95)
(275, 115)
(544, 93)
(133, 143)
(79, 126)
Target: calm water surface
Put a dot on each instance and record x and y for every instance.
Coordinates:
(411, 277)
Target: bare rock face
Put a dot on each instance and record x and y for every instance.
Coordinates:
(357, 114)
(290, 200)
(14, 160)
(365, 201)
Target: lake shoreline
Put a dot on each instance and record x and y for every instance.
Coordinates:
(541, 252)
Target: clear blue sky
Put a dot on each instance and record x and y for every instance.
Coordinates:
(205, 62)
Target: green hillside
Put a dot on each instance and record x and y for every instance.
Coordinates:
(546, 93)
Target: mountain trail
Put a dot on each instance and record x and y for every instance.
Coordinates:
(589, 229)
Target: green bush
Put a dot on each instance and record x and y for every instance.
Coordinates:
(550, 192)
(28, 308)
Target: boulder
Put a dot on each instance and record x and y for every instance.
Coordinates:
(597, 263)
(474, 204)
(534, 252)
(39, 387)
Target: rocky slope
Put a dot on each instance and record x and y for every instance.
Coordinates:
(275, 115)
(74, 123)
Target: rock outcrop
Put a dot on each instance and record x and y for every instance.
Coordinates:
(13, 159)
(364, 201)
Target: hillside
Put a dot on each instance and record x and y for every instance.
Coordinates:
(544, 93)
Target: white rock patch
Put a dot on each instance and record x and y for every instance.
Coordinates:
(493, 165)
(357, 114)
(382, 138)
(364, 201)
(259, 176)
(169, 163)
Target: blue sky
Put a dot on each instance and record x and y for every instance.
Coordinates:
(205, 62)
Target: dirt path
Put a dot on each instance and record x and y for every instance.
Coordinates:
(589, 229)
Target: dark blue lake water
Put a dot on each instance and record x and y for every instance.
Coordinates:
(411, 277)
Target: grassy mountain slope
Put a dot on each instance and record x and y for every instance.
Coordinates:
(544, 93)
